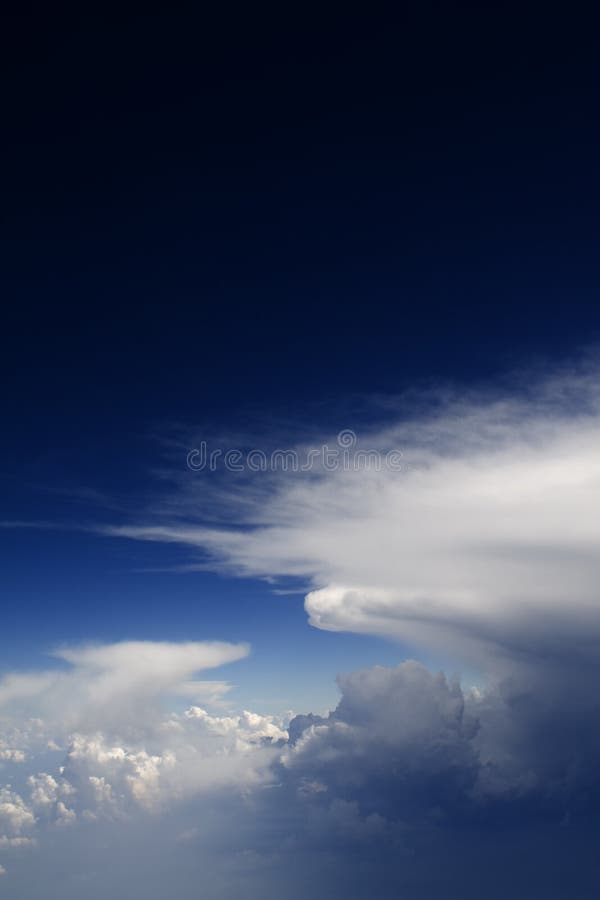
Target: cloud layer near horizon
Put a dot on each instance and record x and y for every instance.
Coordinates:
(405, 764)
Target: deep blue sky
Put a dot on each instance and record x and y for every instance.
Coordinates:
(209, 219)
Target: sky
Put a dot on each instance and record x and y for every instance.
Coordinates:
(299, 473)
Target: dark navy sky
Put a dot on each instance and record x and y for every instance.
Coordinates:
(208, 219)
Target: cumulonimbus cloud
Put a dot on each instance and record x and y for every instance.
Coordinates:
(486, 540)
(118, 685)
(113, 745)
(390, 779)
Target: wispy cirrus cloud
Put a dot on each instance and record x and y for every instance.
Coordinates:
(486, 541)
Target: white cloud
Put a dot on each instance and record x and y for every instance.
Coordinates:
(406, 753)
(47, 793)
(146, 667)
(10, 754)
(15, 816)
(12, 842)
(191, 753)
(22, 686)
(487, 541)
(118, 685)
(126, 752)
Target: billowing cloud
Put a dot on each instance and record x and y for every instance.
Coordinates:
(407, 744)
(409, 767)
(15, 816)
(106, 745)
